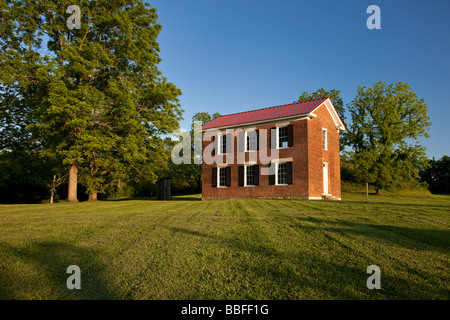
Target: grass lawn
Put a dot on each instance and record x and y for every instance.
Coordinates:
(234, 249)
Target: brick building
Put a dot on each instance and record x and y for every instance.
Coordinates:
(288, 151)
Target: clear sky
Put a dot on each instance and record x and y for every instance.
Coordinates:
(231, 56)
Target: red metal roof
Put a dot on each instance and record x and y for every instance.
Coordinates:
(286, 110)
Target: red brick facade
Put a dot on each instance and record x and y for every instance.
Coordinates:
(306, 154)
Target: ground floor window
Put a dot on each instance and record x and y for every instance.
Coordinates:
(282, 173)
(250, 176)
(222, 177)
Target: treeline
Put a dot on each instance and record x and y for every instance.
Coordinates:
(435, 178)
(437, 175)
(24, 178)
(369, 154)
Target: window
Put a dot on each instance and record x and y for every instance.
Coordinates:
(283, 137)
(282, 173)
(223, 144)
(222, 177)
(252, 140)
(250, 176)
(324, 139)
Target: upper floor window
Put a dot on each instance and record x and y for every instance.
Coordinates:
(283, 137)
(324, 139)
(251, 140)
(224, 143)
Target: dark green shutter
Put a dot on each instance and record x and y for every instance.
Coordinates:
(214, 142)
(257, 139)
(241, 175)
(271, 177)
(228, 143)
(256, 173)
(273, 138)
(289, 172)
(228, 176)
(290, 135)
(241, 141)
(214, 177)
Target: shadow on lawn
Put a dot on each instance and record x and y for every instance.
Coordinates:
(310, 275)
(411, 238)
(278, 269)
(377, 202)
(46, 272)
(174, 198)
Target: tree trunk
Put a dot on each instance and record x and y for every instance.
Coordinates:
(73, 175)
(377, 190)
(367, 191)
(53, 188)
(92, 196)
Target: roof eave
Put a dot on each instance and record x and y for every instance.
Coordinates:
(252, 123)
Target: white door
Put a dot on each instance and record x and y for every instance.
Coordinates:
(325, 178)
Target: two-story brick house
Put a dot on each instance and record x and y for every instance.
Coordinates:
(288, 151)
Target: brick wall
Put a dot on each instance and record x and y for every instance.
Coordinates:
(307, 157)
(317, 155)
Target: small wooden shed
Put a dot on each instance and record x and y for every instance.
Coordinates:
(164, 189)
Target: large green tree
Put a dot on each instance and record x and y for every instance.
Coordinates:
(386, 123)
(98, 102)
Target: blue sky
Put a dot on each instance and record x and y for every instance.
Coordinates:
(230, 56)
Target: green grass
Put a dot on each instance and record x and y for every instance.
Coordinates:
(234, 249)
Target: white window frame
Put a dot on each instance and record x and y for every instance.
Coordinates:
(278, 136)
(219, 144)
(276, 175)
(245, 176)
(324, 141)
(218, 176)
(245, 141)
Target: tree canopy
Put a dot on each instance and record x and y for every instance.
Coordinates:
(386, 123)
(333, 94)
(92, 97)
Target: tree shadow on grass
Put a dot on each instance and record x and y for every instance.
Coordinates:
(279, 270)
(425, 206)
(187, 198)
(306, 275)
(44, 272)
(131, 199)
(411, 238)
(174, 198)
